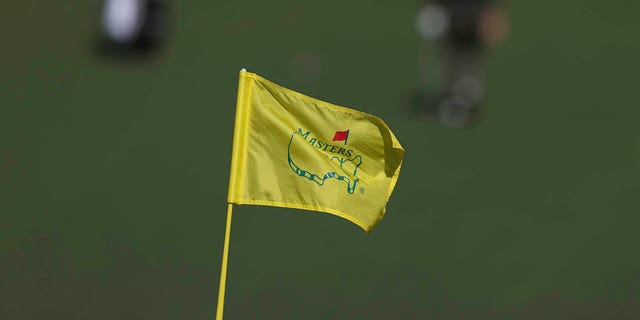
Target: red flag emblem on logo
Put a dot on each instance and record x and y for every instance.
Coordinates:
(341, 136)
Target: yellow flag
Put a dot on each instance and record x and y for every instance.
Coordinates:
(294, 151)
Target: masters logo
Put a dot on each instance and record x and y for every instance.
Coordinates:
(329, 157)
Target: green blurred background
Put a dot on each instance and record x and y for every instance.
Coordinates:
(113, 174)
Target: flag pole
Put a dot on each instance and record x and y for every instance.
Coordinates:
(232, 171)
(225, 259)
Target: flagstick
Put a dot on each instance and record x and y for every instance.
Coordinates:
(225, 258)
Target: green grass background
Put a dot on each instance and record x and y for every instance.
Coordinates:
(113, 174)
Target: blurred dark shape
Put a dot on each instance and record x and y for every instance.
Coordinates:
(305, 67)
(461, 31)
(132, 28)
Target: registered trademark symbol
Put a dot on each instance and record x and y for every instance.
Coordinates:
(361, 190)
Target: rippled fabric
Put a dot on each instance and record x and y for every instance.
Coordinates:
(294, 151)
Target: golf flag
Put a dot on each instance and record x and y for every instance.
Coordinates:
(341, 136)
(285, 154)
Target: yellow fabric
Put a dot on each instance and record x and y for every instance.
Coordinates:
(284, 154)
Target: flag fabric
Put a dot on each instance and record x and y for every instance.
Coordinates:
(283, 154)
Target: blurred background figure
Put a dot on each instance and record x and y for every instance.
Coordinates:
(458, 32)
(132, 26)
